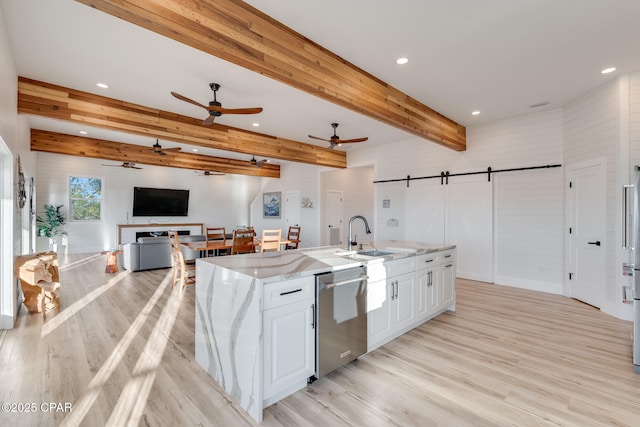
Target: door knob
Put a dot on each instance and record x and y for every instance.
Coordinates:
(597, 243)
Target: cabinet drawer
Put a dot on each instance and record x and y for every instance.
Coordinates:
(448, 256)
(288, 291)
(428, 260)
(400, 266)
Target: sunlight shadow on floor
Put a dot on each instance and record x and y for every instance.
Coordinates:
(83, 405)
(79, 262)
(133, 399)
(68, 312)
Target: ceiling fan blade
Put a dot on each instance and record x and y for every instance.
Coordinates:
(347, 141)
(102, 164)
(172, 149)
(321, 139)
(190, 101)
(209, 120)
(221, 110)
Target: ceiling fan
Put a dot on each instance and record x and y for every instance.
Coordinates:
(127, 165)
(258, 163)
(335, 140)
(215, 108)
(208, 173)
(157, 148)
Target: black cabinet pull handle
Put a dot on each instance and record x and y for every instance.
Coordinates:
(290, 292)
(597, 243)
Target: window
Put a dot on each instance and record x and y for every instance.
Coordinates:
(85, 198)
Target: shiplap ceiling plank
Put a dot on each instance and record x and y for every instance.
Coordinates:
(239, 33)
(57, 102)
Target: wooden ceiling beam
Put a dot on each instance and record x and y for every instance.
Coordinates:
(239, 33)
(48, 100)
(58, 143)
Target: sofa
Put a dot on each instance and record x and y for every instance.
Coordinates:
(155, 252)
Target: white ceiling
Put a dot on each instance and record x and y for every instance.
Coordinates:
(496, 56)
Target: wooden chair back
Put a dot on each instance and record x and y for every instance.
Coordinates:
(270, 240)
(184, 273)
(293, 236)
(242, 242)
(218, 234)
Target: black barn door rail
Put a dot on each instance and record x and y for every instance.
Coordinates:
(444, 176)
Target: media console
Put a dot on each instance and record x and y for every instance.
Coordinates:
(126, 233)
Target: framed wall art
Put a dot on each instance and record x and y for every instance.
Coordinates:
(271, 204)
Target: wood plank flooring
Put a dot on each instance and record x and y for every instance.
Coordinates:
(121, 352)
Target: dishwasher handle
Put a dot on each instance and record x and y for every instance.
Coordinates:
(344, 282)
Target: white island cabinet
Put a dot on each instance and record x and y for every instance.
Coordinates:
(289, 337)
(255, 313)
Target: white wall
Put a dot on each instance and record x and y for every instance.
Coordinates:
(213, 200)
(592, 131)
(293, 177)
(532, 140)
(356, 185)
(14, 142)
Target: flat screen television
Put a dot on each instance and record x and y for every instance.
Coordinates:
(160, 202)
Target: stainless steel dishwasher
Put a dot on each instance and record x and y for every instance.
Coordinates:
(341, 331)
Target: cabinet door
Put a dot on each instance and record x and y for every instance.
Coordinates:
(447, 286)
(433, 290)
(423, 281)
(289, 346)
(378, 313)
(404, 314)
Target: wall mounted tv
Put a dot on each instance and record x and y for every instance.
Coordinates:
(160, 202)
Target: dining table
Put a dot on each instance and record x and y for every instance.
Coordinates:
(216, 245)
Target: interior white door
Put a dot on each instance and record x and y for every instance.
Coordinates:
(334, 217)
(426, 212)
(292, 209)
(469, 226)
(587, 223)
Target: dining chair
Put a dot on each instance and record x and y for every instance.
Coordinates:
(270, 240)
(242, 242)
(294, 237)
(184, 272)
(217, 233)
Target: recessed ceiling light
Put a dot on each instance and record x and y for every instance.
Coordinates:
(83, 132)
(608, 70)
(401, 61)
(255, 125)
(475, 113)
(102, 85)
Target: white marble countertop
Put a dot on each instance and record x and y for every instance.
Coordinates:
(276, 266)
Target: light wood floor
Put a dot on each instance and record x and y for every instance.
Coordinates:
(121, 352)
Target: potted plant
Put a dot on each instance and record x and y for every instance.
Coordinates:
(49, 225)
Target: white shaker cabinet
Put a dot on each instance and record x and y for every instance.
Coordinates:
(390, 300)
(414, 290)
(289, 337)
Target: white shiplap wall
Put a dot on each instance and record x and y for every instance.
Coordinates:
(634, 119)
(213, 200)
(357, 189)
(293, 177)
(531, 140)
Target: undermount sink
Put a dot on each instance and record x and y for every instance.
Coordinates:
(374, 252)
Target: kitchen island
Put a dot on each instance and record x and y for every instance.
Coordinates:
(255, 313)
